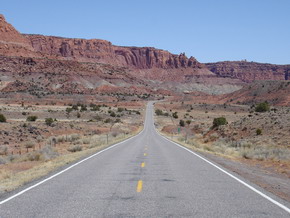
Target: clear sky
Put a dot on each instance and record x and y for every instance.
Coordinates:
(210, 30)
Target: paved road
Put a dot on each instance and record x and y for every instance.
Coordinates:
(147, 176)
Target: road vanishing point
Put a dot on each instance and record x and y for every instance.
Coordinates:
(145, 176)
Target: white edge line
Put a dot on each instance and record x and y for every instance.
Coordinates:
(234, 177)
(68, 168)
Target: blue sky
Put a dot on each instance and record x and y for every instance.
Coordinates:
(210, 30)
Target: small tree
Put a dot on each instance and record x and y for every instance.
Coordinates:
(158, 112)
(49, 121)
(31, 118)
(188, 122)
(262, 107)
(68, 110)
(258, 131)
(219, 122)
(174, 115)
(181, 123)
(2, 118)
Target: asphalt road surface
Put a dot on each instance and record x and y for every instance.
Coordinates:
(146, 176)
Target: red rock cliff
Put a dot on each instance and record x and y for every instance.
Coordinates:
(96, 50)
(250, 71)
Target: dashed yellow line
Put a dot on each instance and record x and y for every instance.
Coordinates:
(139, 186)
(142, 164)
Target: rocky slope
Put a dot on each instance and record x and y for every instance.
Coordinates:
(250, 71)
(274, 92)
(148, 68)
(101, 51)
(49, 64)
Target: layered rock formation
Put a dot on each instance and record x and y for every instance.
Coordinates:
(13, 43)
(250, 71)
(102, 51)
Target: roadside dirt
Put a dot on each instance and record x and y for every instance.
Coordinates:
(257, 173)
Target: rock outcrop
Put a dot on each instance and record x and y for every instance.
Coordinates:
(12, 42)
(250, 71)
(96, 50)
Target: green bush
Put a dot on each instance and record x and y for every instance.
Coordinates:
(158, 112)
(31, 118)
(49, 121)
(174, 115)
(262, 107)
(2, 118)
(112, 114)
(120, 109)
(258, 131)
(83, 108)
(95, 107)
(188, 122)
(108, 120)
(68, 110)
(219, 122)
(181, 123)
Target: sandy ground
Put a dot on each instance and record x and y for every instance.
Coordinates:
(29, 150)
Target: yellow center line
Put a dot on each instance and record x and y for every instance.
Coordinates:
(145, 154)
(142, 164)
(139, 186)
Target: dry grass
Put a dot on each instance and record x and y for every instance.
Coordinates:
(236, 140)
(48, 161)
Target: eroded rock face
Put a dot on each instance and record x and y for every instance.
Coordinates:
(12, 42)
(96, 50)
(250, 71)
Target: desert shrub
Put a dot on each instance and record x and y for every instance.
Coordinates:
(83, 108)
(75, 107)
(31, 118)
(258, 131)
(49, 121)
(78, 115)
(181, 123)
(108, 120)
(68, 109)
(113, 114)
(3, 150)
(97, 118)
(2, 118)
(115, 134)
(120, 109)
(174, 115)
(47, 153)
(3, 160)
(75, 148)
(262, 107)
(70, 138)
(35, 156)
(213, 136)
(188, 122)
(94, 107)
(86, 141)
(158, 112)
(29, 144)
(219, 122)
